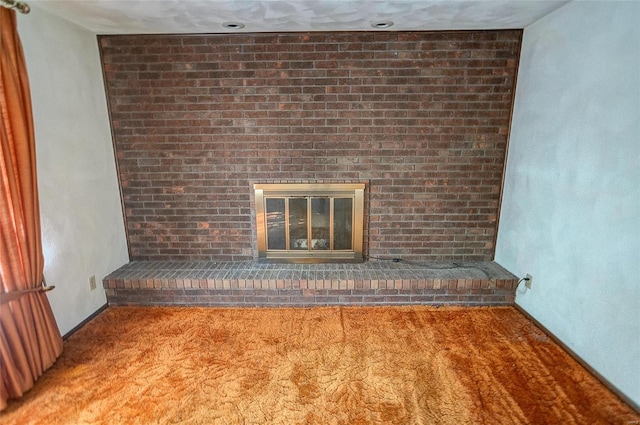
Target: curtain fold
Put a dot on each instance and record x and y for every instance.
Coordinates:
(30, 340)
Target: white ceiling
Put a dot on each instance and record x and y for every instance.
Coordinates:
(207, 16)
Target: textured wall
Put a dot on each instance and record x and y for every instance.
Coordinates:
(421, 117)
(571, 205)
(82, 228)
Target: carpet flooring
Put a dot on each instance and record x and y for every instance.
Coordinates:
(334, 365)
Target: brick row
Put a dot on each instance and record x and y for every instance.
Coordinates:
(306, 297)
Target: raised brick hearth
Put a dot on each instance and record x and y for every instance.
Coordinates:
(249, 283)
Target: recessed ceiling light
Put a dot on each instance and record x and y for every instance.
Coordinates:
(233, 25)
(382, 24)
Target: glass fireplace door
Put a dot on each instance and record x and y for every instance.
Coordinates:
(298, 224)
(313, 225)
(342, 224)
(276, 230)
(320, 223)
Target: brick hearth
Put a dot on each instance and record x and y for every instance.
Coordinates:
(249, 283)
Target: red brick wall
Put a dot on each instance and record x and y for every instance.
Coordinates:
(422, 117)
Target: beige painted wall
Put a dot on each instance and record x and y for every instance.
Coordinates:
(82, 226)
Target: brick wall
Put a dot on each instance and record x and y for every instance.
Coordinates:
(422, 117)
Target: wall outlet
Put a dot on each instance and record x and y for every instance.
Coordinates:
(528, 281)
(92, 283)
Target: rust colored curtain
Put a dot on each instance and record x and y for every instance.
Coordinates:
(30, 340)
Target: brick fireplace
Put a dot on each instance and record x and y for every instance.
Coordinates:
(422, 117)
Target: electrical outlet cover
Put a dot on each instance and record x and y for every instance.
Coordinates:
(528, 281)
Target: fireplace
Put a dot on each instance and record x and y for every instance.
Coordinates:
(309, 222)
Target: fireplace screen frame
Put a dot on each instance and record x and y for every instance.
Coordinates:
(354, 191)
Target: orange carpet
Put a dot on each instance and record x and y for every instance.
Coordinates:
(336, 365)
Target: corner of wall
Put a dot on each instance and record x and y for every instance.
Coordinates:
(571, 201)
(82, 228)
